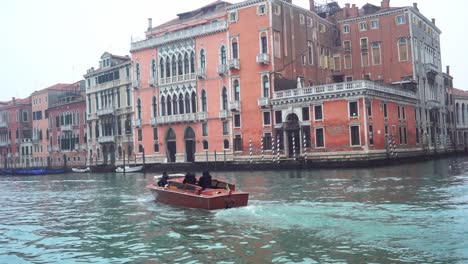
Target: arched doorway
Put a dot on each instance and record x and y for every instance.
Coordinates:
(171, 145)
(105, 153)
(189, 138)
(292, 129)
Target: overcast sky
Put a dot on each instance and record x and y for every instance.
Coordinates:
(55, 41)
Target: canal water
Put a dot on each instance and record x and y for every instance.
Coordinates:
(413, 213)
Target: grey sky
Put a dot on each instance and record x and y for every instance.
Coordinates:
(52, 41)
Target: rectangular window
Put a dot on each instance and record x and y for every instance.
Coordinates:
(347, 62)
(301, 19)
(399, 112)
(310, 52)
(267, 141)
(318, 115)
(276, 9)
(278, 117)
(355, 136)
(225, 128)
(363, 26)
(262, 9)
(405, 136)
(155, 133)
(309, 22)
(156, 147)
(376, 55)
(237, 121)
(305, 114)
(233, 17)
(347, 45)
(319, 138)
(235, 50)
(264, 44)
(349, 78)
(402, 49)
(346, 29)
(403, 112)
(400, 135)
(369, 109)
(386, 130)
(374, 24)
(385, 113)
(303, 59)
(140, 135)
(337, 63)
(205, 129)
(238, 143)
(353, 109)
(400, 20)
(364, 59)
(371, 135)
(363, 43)
(266, 119)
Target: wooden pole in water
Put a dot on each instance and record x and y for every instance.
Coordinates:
(124, 161)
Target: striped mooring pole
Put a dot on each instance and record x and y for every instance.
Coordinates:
(278, 149)
(262, 148)
(294, 146)
(273, 145)
(304, 142)
(250, 149)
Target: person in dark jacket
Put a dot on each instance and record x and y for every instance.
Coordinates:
(205, 180)
(190, 178)
(163, 181)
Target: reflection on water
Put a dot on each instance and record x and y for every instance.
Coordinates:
(411, 213)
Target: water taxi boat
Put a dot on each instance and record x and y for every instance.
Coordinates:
(221, 195)
(129, 169)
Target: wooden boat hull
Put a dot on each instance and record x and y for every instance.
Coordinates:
(212, 199)
(81, 170)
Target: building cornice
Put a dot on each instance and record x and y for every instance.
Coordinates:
(367, 17)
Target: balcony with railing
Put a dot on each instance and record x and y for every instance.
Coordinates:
(222, 69)
(108, 110)
(184, 118)
(136, 84)
(202, 116)
(137, 122)
(235, 106)
(5, 143)
(342, 87)
(179, 35)
(153, 81)
(106, 139)
(234, 64)
(66, 127)
(223, 114)
(201, 73)
(263, 58)
(263, 102)
(3, 124)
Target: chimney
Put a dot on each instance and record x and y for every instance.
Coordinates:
(448, 70)
(14, 100)
(415, 6)
(312, 5)
(354, 11)
(433, 21)
(150, 24)
(385, 4)
(346, 10)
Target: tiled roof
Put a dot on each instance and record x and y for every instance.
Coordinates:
(56, 87)
(458, 92)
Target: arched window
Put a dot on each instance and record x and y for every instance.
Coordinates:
(187, 102)
(235, 49)
(402, 49)
(168, 67)
(186, 64)
(153, 68)
(174, 65)
(181, 104)
(223, 55)
(137, 71)
(169, 105)
(139, 108)
(154, 105)
(236, 90)
(179, 65)
(161, 68)
(192, 62)
(174, 104)
(224, 98)
(202, 59)
(163, 106)
(203, 101)
(266, 86)
(194, 102)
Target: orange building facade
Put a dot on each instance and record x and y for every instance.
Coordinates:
(269, 80)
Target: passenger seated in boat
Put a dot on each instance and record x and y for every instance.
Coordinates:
(190, 178)
(163, 181)
(205, 180)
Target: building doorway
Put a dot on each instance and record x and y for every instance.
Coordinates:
(112, 153)
(171, 146)
(292, 129)
(189, 138)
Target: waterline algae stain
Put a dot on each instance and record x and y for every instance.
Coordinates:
(403, 214)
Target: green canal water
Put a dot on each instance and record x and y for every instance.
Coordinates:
(413, 213)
